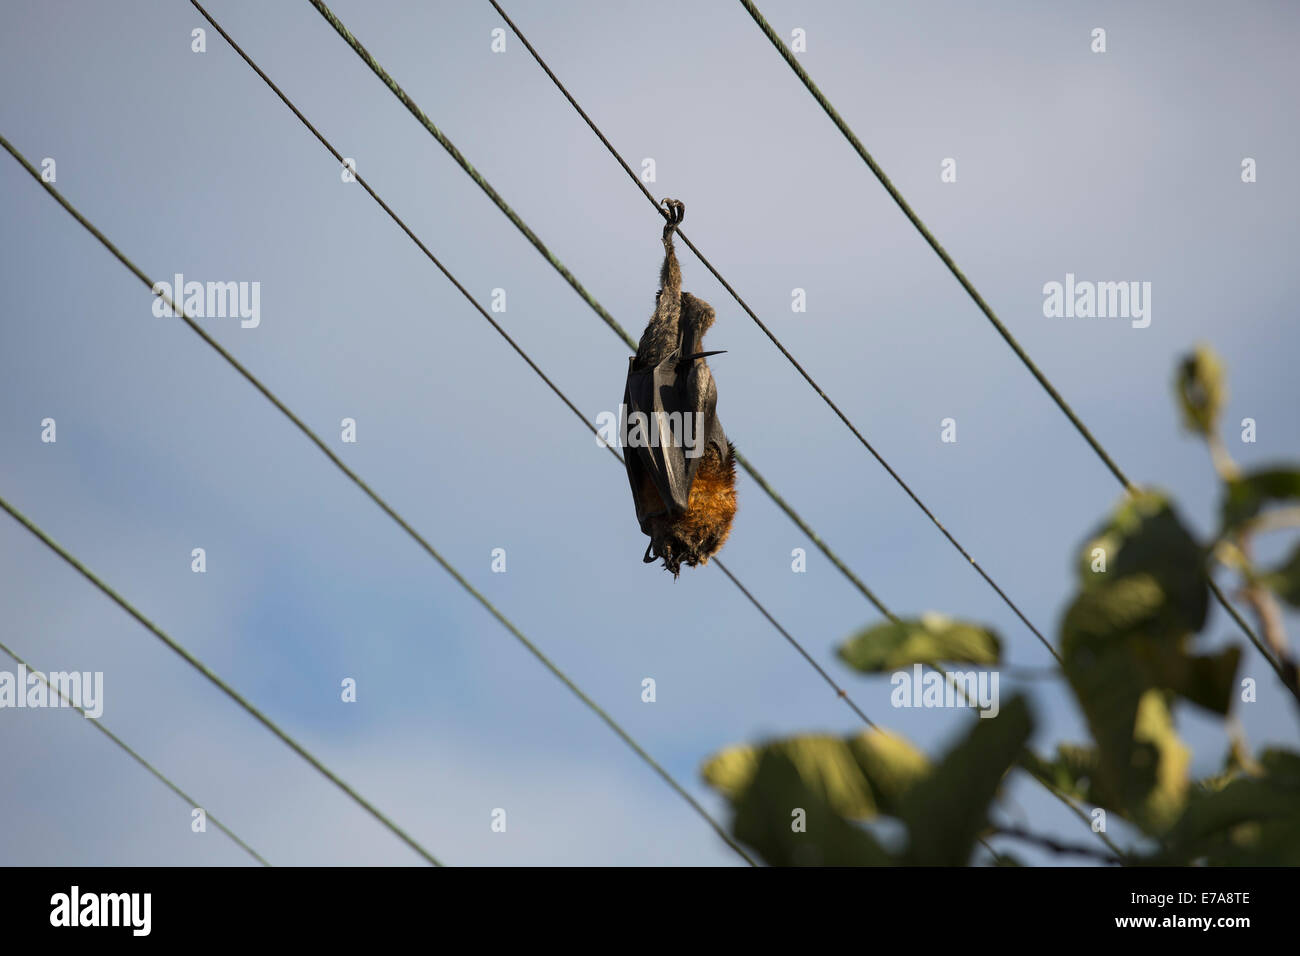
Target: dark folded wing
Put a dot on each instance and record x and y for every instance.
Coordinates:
(658, 469)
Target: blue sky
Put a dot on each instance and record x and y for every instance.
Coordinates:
(1115, 166)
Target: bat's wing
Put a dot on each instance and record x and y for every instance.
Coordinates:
(658, 470)
(661, 452)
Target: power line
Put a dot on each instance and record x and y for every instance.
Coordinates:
(843, 694)
(197, 664)
(442, 139)
(501, 204)
(789, 57)
(98, 725)
(1069, 804)
(775, 341)
(929, 237)
(386, 508)
(840, 692)
(636, 179)
(596, 307)
(1285, 670)
(272, 398)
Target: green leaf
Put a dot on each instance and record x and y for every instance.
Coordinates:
(1124, 640)
(1141, 765)
(947, 810)
(1208, 680)
(1250, 821)
(929, 639)
(1202, 390)
(1144, 535)
(1284, 581)
(790, 824)
(1142, 777)
(826, 765)
(1131, 617)
(1115, 608)
(891, 765)
(1159, 765)
(1246, 496)
(1160, 747)
(1109, 688)
(858, 777)
(1282, 768)
(1072, 771)
(1236, 762)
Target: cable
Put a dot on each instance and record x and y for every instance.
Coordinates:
(775, 341)
(202, 668)
(414, 109)
(840, 692)
(984, 307)
(95, 722)
(387, 509)
(929, 237)
(1279, 667)
(608, 319)
(843, 694)
(1083, 817)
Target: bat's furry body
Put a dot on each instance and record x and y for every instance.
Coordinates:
(684, 503)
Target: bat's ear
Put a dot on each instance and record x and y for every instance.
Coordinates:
(649, 558)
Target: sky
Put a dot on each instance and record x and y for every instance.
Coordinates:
(1115, 166)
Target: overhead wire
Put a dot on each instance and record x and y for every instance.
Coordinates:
(1006, 599)
(203, 669)
(387, 509)
(320, 137)
(577, 286)
(98, 724)
(414, 109)
(1285, 673)
(627, 339)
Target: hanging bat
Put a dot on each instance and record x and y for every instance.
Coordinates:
(680, 465)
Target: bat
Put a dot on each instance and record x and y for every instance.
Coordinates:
(680, 465)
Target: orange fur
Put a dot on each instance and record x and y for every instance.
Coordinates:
(712, 504)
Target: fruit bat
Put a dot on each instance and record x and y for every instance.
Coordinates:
(680, 465)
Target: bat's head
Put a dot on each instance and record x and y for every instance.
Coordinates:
(695, 536)
(675, 550)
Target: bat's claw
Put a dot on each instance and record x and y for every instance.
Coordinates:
(676, 210)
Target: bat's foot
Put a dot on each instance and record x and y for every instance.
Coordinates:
(676, 210)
